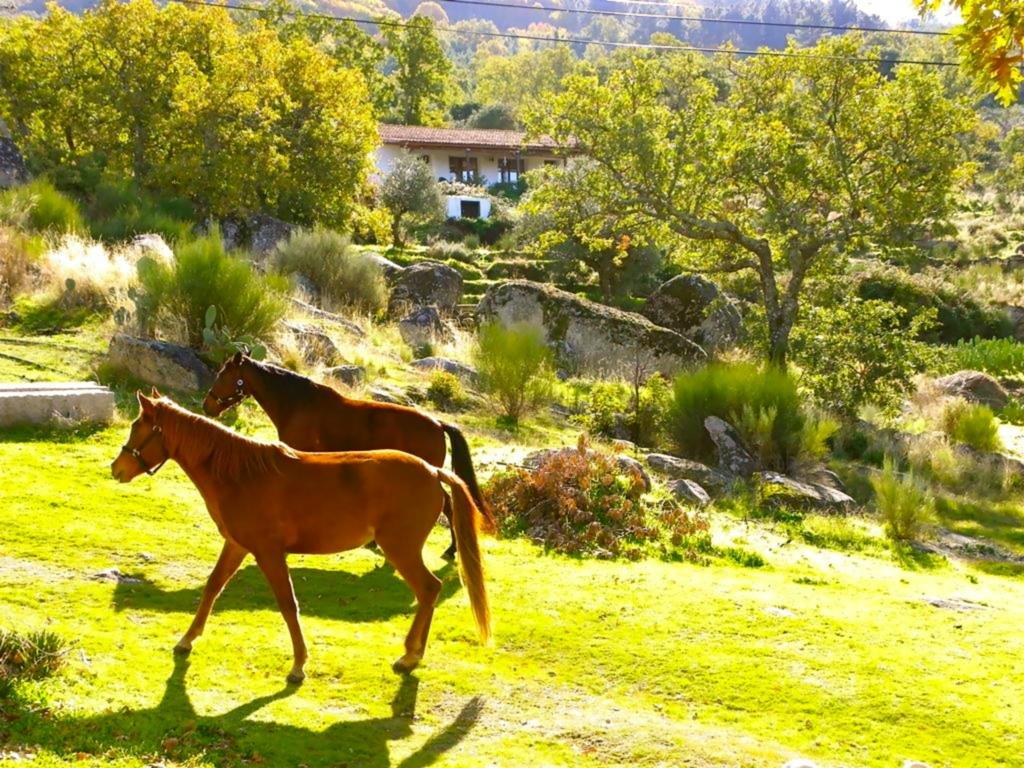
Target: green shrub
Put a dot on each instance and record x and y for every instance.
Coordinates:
(472, 242)
(445, 390)
(119, 210)
(27, 656)
(905, 506)
(515, 367)
(371, 226)
(46, 208)
(344, 276)
(972, 424)
(19, 254)
(615, 409)
(175, 298)
(762, 403)
(998, 357)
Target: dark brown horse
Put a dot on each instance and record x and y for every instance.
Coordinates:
(315, 417)
(272, 501)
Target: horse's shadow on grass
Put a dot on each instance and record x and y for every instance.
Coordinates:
(173, 729)
(371, 596)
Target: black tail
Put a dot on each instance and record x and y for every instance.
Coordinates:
(462, 465)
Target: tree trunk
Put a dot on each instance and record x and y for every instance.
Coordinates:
(396, 229)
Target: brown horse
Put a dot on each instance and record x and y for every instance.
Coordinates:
(315, 417)
(272, 501)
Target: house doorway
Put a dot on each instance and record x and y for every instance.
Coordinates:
(469, 209)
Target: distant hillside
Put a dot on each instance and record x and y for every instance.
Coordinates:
(837, 12)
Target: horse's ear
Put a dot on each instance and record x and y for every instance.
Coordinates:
(155, 394)
(145, 403)
(237, 358)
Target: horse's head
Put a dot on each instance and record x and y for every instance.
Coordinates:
(145, 450)
(229, 387)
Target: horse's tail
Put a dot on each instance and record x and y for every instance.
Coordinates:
(462, 465)
(466, 524)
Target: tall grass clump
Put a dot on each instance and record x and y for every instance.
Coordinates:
(997, 357)
(904, 504)
(763, 404)
(972, 424)
(343, 276)
(46, 208)
(19, 257)
(175, 298)
(515, 367)
(86, 274)
(119, 210)
(28, 656)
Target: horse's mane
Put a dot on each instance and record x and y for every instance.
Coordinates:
(231, 456)
(289, 384)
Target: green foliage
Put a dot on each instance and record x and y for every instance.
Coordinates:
(612, 409)
(28, 656)
(422, 75)
(344, 276)
(972, 424)
(119, 210)
(515, 367)
(219, 343)
(904, 504)
(232, 117)
(958, 315)
(176, 298)
(410, 188)
(43, 208)
(822, 143)
(445, 390)
(582, 502)
(857, 353)
(762, 403)
(997, 357)
(371, 226)
(19, 253)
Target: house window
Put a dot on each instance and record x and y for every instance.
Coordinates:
(463, 168)
(469, 209)
(510, 169)
(551, 162)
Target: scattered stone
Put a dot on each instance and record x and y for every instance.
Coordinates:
(733, 457)
(387, 266)
(689, 492)
(773, 486)
(424, 327)
(975, 387)
(957, 546)
(115, 575)
(154, 246)
(160, 363)
(696, 308)
(346, 325)
(625, 463)
(800, 762)
(350, 375)
(775, 610)
(316, 345)
(954, 603)
(13, 170)
(683, 469)
(587, 336)
(426, 283)
(467, 373)
(915, 764)
(385, 395)
(39, 403)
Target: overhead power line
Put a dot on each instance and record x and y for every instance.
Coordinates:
(694, 19)
(567, 40)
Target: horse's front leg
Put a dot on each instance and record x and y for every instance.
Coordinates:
(275, 568)
(231, 557)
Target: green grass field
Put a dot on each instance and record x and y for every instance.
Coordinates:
(835, 652)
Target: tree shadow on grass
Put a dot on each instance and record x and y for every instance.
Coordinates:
(174, 730)
(372, 596)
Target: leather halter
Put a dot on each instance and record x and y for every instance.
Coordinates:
(136, 453)
(234, 398)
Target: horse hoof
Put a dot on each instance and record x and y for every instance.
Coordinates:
(296, 678)
(406, 664)
(182, 650)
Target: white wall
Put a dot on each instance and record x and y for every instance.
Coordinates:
(487, 161)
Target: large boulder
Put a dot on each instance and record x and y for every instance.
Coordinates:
(426, 283)
(587, 336)
(975, 387)
(775, 487)
(13, 170)
(696, 308)
(424, 327)
(387, 266)
(675, 468)
(265, 232)
(689, 492)
(349, 375)
(733, 457)
(159, 363)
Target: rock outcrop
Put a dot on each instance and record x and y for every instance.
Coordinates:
(776, 487)
(733, 457)
(467, 373)
(426, 283)
(975, 387)
(587, 336)
(424, 326)
(696, 308)
(159, 363)
(675, 468)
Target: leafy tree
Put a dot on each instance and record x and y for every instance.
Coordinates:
(858, 353)
(562, 220)
(409, 188)
(807, 159)
(991, 41)
(520, 81)
(422, 76)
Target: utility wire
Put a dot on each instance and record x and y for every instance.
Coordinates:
(696, 19)
(584, 41)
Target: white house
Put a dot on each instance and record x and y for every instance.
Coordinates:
(470, 155)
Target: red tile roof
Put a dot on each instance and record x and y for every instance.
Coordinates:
(464, 138)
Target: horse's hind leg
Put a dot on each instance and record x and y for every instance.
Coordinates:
(231, 557)
(275, 568)
(449, 554)
(408, 561)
